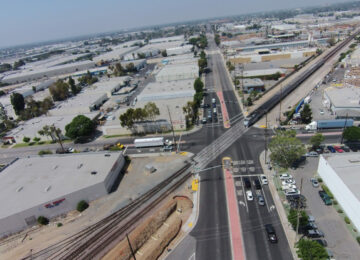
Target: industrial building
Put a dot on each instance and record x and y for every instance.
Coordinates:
(255, 84)
(343, 101)
(179, 50)
(340, 173)
(48, 72)
(178, 72)
(53, 185)
(31, 127)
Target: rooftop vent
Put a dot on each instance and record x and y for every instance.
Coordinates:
(354, 161)
(93, 172)
(55, 167)
(80, 165)
(19, 189)
(47, 188)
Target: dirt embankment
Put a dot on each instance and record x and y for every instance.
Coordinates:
(151, 238)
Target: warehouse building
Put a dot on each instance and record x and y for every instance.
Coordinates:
(179, 50)
(53, 185)
(48, 72)
(343, 101)
(178, 72)
(340, 173)
(255, 84)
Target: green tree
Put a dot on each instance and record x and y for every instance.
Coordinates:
(74, 89)
(119, 70)
(190, 111)
(54, 133)
(26, 139)
(164, 53)
(151, 110)
(202, 63)
(311, 250)
(130, 67)
(18, 64)
(306, 114)
(198, 85)
(316, 140)
(82, 205)
(127, 119)
(139, 114)
(18, 102)
(59, 91)
(80, 126)
(286, 148)
(303, 218)
(42, 220)
(202, 55)
(217, 39)
(249, 101)
(331, 41)
(352, 133)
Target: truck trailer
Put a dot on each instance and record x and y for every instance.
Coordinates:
(151, 142)
(329, 124)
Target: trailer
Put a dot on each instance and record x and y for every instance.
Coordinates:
(151, 142)
(330, 124)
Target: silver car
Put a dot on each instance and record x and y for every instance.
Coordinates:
(261, 200)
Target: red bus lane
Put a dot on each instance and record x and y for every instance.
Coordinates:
(233, 215)
(225, 114)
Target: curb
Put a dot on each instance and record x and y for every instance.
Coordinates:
(289, 233)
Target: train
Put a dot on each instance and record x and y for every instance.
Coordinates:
(269, 104)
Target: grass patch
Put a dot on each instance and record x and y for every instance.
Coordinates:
(113, 136)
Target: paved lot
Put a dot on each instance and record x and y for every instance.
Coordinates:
(339, 239)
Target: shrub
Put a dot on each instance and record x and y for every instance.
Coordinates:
(42, 220)
(335, 202)
(82, 205)
(36, 139)
(42, 142)
(32, 143)
(59, 224)
(328, 192)
(358, 239)
(320, 180)
(347, 220)
(42, 152)
(26, 139)
(340, 211)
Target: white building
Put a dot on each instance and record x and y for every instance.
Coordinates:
(37, 74)
(178, 72)
(343, 101)
(179, 50)
(340, 173)
(53, 185)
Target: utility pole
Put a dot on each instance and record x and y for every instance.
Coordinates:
(131, 249)
(172, 127)
(342, 136)
(297, 213)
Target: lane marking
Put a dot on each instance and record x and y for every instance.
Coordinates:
(233, 215)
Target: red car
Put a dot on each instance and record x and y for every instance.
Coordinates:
(338, 149)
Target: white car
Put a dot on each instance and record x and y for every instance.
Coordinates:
(312, 154)
(285, 176)
(249, 195)
(291, 192)
(288, 187)
(264, 179)
(288, 181)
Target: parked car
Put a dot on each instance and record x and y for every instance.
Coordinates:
(288, 181)
(314, 182)
(204, 120)
(311, 218)
(322, 242)
(249, 195)
(285, 176)
(261, 200)
(292, 192)
(314, 233)
(345, 148)
(338, 149)
(271, 233)
(247, 183)
(257, 184)
(326, 199)
(312, 154)
(298, 162)
(331, 149)
(264, 179)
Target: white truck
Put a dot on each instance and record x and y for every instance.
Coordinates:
(151, 142)
(329, 124)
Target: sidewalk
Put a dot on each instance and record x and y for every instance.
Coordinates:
(289, 232)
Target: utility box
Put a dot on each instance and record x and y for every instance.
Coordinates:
(150, 169)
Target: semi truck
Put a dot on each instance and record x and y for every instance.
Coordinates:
(152, 142)
(329, 124)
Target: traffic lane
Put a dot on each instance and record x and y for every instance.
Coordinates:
(212, 229)
(254, 220)
(339, 240)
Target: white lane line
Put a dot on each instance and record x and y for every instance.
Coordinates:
(245, 198)
(266, 202)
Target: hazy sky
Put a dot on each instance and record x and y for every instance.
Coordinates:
(26, 21)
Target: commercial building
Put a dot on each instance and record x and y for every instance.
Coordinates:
(343, 101)
(340, 173)
(178, 72)
(179, 50)
(53, 185)
(48, 72)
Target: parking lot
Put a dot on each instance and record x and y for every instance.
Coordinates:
(338, 237)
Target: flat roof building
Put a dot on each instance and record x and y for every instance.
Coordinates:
(53, 185)
(178, 72)
(252, 85)
(341, 173)
(343, 101)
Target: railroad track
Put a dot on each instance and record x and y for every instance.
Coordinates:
(93, 239)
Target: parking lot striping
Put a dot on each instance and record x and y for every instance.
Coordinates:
(246, 175)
